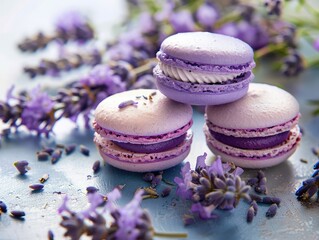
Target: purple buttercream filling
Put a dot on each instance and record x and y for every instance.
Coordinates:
(165, 58)
(253, 142)
(152, 148)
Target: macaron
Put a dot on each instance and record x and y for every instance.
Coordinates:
(259, 130)
(201, 68)
(142, 130)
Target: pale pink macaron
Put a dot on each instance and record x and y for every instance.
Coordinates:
(142, 130)
(259, 130)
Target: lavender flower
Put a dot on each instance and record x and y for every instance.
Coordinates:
(293, 64)
(22, 166)
(207, 15)
(130, 222)
(273, 7)
(182, 21)
(316, 44)
(211, 187)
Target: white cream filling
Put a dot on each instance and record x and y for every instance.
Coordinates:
(194, 76)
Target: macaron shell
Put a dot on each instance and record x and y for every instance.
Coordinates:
(207, 48)
(263, 106)
(145, 167)
(253, 164)
(201, 98)
(146, 118)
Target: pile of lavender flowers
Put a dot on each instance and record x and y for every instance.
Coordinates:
(106, 220)
(218, 186)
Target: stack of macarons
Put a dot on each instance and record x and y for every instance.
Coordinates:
(251, 125)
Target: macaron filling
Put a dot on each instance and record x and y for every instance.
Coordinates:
(254, 143)
(152, 148)
(187, 71)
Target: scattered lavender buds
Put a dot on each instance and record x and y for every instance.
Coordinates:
(48, 150)
(22, 166)
(148, 177)
(36, 187)
(84, 150)
(259, 182)
(92, 189)
(3, 207)
(69, 149)
(271, 200)
(250, 214)
(272, 210)
(96, 166)
(273, 7)
(17, 214)
(127, 103)
(56, 155)
(316, 166)
(157, 180)
(50, 235)
(210, 187)
(43, 156)
(44, 178)
(166, 191)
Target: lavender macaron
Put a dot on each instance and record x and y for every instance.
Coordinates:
(142, 130)
(201, 68)
(259, 130)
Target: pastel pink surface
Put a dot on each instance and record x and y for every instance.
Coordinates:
(207, 48)
(263, 106)
(147, 118)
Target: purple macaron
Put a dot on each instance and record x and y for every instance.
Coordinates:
(201, 68)
(259, 130)
(142, 130)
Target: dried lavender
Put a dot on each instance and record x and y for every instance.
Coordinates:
(50, 235)
(271, 200)
(43, 156)
(36, 187)
(84, 150)
(71, 26)
(293, 64)
(127, 222)
(211, 187)
(259, 182)
(250, 214)
(44, 178)
(96, 166)
(69, 149)
(272, 210)
(166, 191)
(22, 166)
(17, 214)
(64, 64)
(3, 207)
(273, 7)
(56, 155)
(148, 177)
(91, 189)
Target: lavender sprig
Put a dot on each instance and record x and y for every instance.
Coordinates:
(127, 222)
(64, 64)
(211, 187)
(71, 26)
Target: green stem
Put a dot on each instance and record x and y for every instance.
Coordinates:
(269, 49)
(170, 235)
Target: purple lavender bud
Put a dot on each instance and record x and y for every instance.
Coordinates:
(214, 197)
(156, 180)
(219, 183)
(48, 150)
(43, 156)
(148, 177)
(252, 181)
(316, 166)
(207, 15)
(36, 187)
(96, 166)
(315, 173)
(3, 207)
(272, 210)
(59, 145)
(271, 200)
(69, 149)
(22, 166)
(188, 219)
(50, 235)
(56, 155)
(309, 181)
(302, 190)
(127, 103)
(315, 151)
(84, 150)
(250, 214)
(262, 181)
(261, 189)
(260, 174)
(256, 197)
(17, 214)
(316, 44)
(91, 189)
(166, 191)
(205, 182)
(254, 205)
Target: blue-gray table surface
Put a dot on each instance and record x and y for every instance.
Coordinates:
(73, 173)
